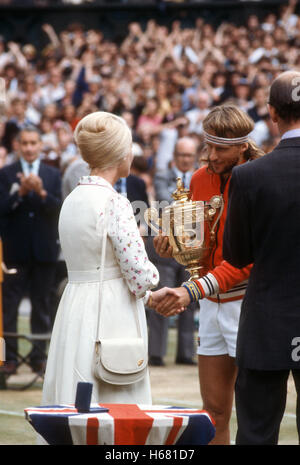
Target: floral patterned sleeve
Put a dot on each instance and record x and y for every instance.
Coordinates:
(140, 274)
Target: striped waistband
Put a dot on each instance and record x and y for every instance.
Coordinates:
(93, 276)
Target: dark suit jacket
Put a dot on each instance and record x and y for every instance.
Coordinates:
(165, 183)
(263, 228)
(138, 197)
(28, 226)
(136, 189)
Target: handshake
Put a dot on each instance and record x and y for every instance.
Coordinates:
(167, 301)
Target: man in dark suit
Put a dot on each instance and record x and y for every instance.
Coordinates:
(263, 228)
(30, 200)
(133, 187)
(172, 274)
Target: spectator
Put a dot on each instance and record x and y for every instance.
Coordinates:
(49, 136)
(67, 149)
(242, 94)
(260, 115)
(73, 172)
(3, 157)
(150, 117)
(54, 91)
(197, 115)
(30, 194)
(259, 99)
(16, 122)
(268, 50)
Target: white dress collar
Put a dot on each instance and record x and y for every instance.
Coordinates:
(96, 181)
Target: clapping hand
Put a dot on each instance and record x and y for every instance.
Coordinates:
(31, 183)
(24, 188)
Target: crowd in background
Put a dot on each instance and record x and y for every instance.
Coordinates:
(163, 81)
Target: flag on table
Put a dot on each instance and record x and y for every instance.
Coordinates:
(123, 424)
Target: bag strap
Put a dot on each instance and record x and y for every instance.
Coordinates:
(102, 266)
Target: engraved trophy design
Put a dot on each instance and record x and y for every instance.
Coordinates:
(190, 226)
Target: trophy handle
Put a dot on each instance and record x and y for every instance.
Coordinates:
(151, 215)
(216, 202)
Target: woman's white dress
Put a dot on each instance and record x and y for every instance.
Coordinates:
(127, 278)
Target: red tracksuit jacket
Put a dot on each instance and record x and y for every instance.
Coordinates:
(232, 281)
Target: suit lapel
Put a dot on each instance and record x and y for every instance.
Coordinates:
(41, 169)
(16, 168)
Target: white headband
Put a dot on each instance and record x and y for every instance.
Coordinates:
(224, 140)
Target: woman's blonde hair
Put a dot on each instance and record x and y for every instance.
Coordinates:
(103, 138)
(230, 121)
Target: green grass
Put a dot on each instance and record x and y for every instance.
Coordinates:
(172, 381)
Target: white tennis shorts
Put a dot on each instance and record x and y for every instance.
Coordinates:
(218, 326)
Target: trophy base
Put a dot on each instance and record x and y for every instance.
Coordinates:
(195, 272)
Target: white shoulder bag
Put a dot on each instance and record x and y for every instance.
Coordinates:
(118, 361)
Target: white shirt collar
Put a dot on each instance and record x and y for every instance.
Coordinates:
(188, 175)
(291, 133)
(25, 166)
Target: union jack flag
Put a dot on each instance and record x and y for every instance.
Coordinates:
(122, 424)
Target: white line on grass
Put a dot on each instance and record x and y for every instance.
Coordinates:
(177, 401)
(15, 414)
(181, 402)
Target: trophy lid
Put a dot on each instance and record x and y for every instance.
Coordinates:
(181, 193)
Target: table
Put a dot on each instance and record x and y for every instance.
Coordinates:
(123, 424)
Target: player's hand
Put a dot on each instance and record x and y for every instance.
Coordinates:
(162, 246)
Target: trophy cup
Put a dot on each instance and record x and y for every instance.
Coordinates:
(190, 226)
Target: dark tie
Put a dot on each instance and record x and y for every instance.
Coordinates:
(30, 168)
(184, 180)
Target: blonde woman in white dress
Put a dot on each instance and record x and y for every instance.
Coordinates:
(105, 143)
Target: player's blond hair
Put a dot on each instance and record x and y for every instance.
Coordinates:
(229, 121)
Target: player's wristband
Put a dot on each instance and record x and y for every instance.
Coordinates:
(193, 290)
(203, 287)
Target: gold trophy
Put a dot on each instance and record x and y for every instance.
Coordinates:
(190, 226)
